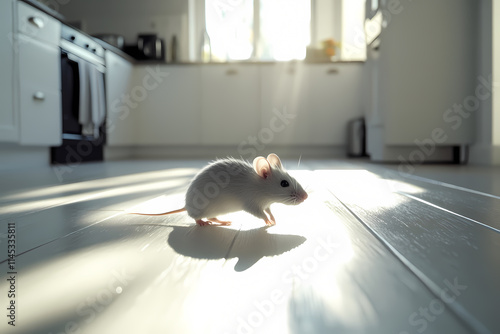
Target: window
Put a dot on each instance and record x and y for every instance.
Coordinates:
(269, 30)
(258, 29)
(229, 25)
(284, 30)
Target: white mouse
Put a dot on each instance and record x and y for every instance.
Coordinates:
(230, 185)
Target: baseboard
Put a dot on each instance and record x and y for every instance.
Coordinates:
(486, 155)
(117, 153)
(414, 155)
(211, 152)
(14, 156)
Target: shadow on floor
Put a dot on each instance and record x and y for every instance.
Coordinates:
(211, 242)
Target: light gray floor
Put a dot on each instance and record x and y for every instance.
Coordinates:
(373, 250)
(479, 178)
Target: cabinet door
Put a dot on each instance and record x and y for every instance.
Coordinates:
(310, 104)
(120, 117)
(169, 113)
(230, 103)
(39, 93)
(333, 97)
(283, 105)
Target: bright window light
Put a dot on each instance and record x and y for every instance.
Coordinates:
(285, 29)
(280, 30)
(229, 24)
(353, 31)
(283, 34)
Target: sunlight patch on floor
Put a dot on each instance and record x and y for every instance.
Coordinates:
(361, 186)
(63, 199)
(100, 184)
(160, 204)
(73, 287)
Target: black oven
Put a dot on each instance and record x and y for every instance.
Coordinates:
(83, 99)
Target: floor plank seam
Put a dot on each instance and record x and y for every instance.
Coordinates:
(449, 185)
(457, 309)
(448, 211)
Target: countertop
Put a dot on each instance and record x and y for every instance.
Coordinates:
(53, 13)
(246, 62)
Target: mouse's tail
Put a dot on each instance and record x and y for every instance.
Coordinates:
(158, 214)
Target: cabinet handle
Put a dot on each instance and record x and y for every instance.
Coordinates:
(39, 96)
(36, 21)
(332, 71)
(231, 71)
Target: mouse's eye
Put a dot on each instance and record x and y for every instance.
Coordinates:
(285, 183)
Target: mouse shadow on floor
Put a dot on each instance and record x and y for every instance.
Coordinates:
(215, 242)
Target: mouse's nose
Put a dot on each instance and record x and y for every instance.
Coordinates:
(304, 196)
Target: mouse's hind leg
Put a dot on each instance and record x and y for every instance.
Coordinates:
(215, 220)
(201, 222)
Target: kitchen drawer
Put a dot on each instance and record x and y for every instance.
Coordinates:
(37, 24)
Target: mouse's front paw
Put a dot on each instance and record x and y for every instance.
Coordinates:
(270, 222)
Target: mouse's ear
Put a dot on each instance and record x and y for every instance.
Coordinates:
(262, 167)
(274, 160)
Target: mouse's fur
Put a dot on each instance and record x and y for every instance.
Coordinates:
(230, 185)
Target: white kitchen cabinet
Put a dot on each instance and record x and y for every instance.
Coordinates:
(30, 76)
(39, 93)
(230, 103)
(120, 116)
(9, 129)
(246, 106)
(310, 104)
(169, 113)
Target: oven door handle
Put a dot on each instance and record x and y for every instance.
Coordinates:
(77, 60)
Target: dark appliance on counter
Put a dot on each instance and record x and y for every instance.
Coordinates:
(148, 47)
(83, 99)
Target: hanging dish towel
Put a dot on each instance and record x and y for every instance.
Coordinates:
(92, 101)
(85, 114)
(97, 99)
